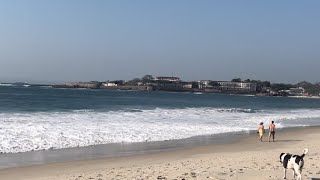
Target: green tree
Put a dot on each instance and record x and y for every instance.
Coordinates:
(119, 82)
(214, 83)
(236, 80)
(134, 82)
(261, 84)
(195, 84)
(147, 79)
(281, 86)
(247, 80)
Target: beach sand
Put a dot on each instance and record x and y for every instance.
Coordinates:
(245, 159)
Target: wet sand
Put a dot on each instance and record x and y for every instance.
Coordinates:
(114, 150)
(240, 156)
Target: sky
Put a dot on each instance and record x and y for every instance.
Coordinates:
(82, 40)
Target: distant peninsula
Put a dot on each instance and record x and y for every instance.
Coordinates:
(175, 84)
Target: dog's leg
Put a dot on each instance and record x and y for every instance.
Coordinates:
(285, 173)
(300, 174)
(297, 170)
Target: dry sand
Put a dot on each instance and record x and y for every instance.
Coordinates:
(246, 159)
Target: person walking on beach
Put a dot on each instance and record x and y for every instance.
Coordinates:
(261, 131)
(272, 130)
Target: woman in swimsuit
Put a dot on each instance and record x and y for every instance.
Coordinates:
(261, 131)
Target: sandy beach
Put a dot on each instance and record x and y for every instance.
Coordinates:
(245, 159)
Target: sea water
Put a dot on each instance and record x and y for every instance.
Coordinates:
(41, 118)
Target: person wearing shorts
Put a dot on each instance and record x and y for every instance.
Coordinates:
(272, 130)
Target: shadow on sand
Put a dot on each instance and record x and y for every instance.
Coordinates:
(287, 140)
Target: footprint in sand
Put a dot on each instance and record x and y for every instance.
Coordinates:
(222, 174)
(193, 174)
(161, 178)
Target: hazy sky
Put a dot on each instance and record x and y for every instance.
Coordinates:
(80, 40)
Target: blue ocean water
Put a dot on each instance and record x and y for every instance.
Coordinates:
(35, 118)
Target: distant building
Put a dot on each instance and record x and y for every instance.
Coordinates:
(112, 83)
(204, 84)
(187, 85)
(300, 91)
(109, 84)
(173, 79)
(237, 86)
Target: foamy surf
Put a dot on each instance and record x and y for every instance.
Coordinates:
(21, 132)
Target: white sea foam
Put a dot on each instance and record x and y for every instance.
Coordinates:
(5, 84)
(20, 132)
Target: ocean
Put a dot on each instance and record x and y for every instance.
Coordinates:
(42, 118)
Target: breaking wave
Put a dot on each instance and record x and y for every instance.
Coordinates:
(21, 132)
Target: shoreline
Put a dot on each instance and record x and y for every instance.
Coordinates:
(245, 147)
(306, 97)
(114, 150)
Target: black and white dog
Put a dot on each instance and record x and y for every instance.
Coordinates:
(294, 162)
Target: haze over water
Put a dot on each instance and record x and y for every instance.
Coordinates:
(79, 40)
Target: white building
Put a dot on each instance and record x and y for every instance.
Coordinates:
(204, 84)
(240, 86)
(300, 91)
(109, 84)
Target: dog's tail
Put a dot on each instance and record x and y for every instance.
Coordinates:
(305, 151)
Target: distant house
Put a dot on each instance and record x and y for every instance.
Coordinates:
(109, 84)
(300, 91)
(163, 78)
(112, 83)
(204, 84)
(186, 85)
